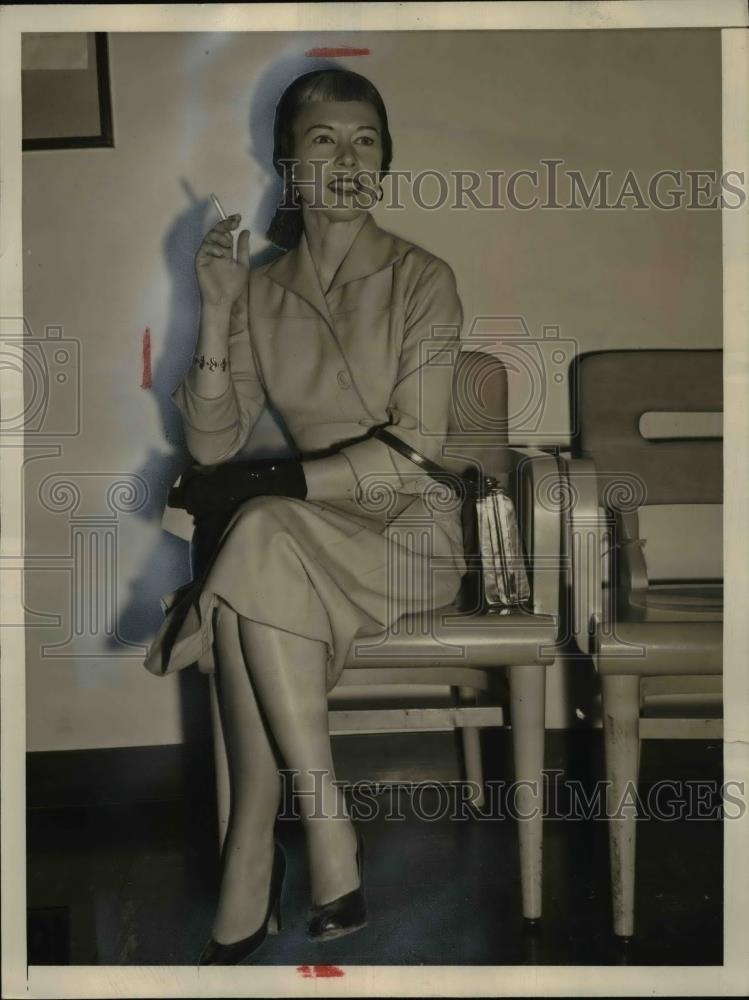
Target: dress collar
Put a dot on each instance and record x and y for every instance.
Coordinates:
(372, 250)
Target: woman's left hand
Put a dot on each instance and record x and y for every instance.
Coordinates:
(206, 490)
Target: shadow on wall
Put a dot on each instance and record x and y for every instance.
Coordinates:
(168, 565)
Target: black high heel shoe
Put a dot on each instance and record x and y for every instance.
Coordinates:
(234, 953)
(344, 915)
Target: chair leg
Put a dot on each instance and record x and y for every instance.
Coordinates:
(527, 717)
(221, 765)
(621, 721)
(472, 763)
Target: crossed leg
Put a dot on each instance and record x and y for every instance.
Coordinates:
(255, 789)
(271, 688)
(289, 675)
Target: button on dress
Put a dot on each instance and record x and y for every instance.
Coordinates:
(376, 538)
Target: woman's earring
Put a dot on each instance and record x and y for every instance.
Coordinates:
(380, 192)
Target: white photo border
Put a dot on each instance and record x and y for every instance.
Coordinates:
(730, 979)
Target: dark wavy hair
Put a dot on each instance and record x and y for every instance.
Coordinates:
(285, 229)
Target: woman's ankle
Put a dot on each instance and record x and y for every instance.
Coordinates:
(333, 861)
(245, 880)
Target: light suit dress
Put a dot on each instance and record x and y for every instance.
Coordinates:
(375, 538)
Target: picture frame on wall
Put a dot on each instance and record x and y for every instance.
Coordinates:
(66, 95)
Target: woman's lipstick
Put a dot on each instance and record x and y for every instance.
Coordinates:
(347, 184)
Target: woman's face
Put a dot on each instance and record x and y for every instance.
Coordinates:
(339, 148)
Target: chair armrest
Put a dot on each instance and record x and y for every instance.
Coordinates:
(585, 550)
(539, 496)
(632, 577)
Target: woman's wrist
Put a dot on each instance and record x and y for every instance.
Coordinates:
(329, 478)
(215, 325)
(209, 374)
(215, 312)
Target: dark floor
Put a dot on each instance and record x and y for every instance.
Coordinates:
(125, 871)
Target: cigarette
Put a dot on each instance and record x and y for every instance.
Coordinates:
(217, 206)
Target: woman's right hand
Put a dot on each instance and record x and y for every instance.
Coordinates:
(221, 279)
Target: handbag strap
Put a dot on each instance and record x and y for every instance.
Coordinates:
(431, 468)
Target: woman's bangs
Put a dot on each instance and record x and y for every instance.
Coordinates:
(339, 87)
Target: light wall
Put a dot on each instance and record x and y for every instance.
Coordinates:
(109, 237)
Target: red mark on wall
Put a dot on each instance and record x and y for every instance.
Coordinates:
(146, 380)
(333, 53)
(320, 971)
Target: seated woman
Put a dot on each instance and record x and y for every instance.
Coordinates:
(350, 329)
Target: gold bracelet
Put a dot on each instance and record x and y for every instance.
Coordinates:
(212, 364)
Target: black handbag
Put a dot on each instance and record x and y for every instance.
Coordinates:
(207, 528)
(496, 578)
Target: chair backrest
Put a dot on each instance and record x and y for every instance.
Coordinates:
(611, 393)
(477, 429)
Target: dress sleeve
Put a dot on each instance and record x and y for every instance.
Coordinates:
(420, 401)
(217, 428)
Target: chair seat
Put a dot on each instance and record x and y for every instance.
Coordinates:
(448, 637)
(677, 602)
(670, 628)
(696, 695)
(637, 646)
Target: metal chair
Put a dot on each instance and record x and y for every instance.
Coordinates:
(656, 643)
(473, 654)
